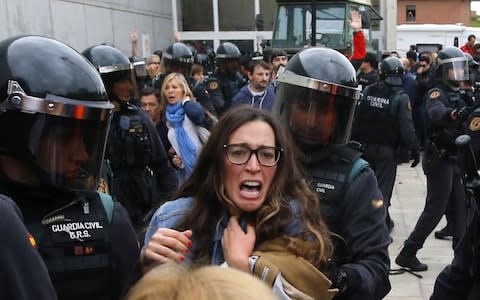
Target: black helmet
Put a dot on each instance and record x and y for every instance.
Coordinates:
(178, 57)
(391, 70)
(228, 58)
(452, 66)
(115, 69)
(57, 106)
(317, 95)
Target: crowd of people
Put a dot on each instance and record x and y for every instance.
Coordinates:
(154, 179)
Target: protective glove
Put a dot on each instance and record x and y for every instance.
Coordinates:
(415, 156)
(339, 280)
(462, 114)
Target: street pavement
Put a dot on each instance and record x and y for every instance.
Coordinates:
(408, 200)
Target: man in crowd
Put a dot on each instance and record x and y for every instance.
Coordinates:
(257, 93)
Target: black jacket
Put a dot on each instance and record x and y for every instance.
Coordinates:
(24, 275)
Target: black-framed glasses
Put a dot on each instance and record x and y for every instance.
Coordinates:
(422, 65)
(240, 154)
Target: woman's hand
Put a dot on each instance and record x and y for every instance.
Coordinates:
(166, 245)
(238, 245)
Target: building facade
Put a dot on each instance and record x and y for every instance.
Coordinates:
(433, 12)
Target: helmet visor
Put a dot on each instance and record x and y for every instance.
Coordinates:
(454, 70)
(316, 117)
(68, 152)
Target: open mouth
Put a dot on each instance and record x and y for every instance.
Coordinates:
(250, 188)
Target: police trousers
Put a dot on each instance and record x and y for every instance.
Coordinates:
(382, 160)
(444, 184)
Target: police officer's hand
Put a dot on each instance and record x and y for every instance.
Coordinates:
(339, 280)
(415, 156)
(167, 245)
(461, 114)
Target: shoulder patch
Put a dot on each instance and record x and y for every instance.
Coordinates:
(213, 85)
(434, 95)
(377, 203)
(474, 124)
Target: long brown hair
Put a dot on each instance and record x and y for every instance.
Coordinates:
(207, 187)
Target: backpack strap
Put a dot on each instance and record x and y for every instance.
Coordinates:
(107, 203)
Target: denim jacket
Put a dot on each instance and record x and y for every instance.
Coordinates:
(170, 213)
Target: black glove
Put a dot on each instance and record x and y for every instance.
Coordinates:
(339, 280)
(462, 113)
(415, 156)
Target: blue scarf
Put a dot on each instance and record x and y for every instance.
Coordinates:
(175, 115)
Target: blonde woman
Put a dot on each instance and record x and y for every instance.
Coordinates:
(182, 114)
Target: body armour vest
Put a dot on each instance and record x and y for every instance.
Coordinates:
(230, 86)
(329, 178)
(376, 116)
(74, 243)
(129, 143)
(130, 154)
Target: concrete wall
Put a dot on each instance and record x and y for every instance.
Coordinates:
(83, 23)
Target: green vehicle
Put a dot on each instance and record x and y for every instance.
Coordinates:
(299, 24)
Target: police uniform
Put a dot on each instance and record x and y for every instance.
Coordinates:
(347, 189)
(143, 178)
(24, 275)
(229, 79)
(383, 121)
(89, 248)
(316, 98)
(142, 175)
(51, 166)
(229, 86)
(472, 128)
(461, 279)
(442, 170)
(366, 79)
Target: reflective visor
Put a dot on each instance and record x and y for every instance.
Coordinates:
(318, 85)
(67, 140)
(68, 152)
(53, 105)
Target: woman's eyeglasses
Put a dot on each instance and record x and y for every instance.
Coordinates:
(240, 154)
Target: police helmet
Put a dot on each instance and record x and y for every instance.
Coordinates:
(116, 70)
(317, 95)
(178, 57)
(452, 66)
(228, 57)
(57, 106)
(391, 70)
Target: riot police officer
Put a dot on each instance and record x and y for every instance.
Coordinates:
(178, 58)
(50, 164)
(446, 112)
(316, 99)
(227, 80)
(383, 122)
(143, 176)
